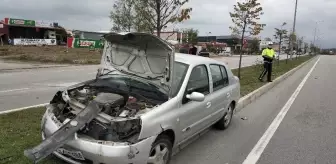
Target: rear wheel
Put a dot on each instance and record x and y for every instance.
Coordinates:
(161, 151)
(225, 121)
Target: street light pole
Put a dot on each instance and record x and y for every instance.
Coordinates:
(315, 37)
(208, 36)
(315, 33)
(294, 23)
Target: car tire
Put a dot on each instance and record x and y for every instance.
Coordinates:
(226, 120)
(161, 150)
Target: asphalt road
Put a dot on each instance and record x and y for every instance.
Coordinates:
(305, 135)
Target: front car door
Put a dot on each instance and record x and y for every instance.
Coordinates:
(194, 114)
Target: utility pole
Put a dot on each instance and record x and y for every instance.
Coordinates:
(208, 36)
(291, 39)
(315, 38)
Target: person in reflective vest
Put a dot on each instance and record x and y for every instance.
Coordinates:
(268, 54)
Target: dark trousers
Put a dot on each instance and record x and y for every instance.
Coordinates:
(268, 70)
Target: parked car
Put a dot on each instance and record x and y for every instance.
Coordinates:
(145, 102)
(204, 52)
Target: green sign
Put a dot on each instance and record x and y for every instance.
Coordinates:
(13, 21)
(87, 43)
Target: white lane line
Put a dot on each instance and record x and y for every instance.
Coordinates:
(13, 90)
(62, 84)
(258, 149)
(23, 108)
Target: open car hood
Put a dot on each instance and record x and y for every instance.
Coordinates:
(139, 54)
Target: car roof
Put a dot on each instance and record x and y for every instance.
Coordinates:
(195, 60)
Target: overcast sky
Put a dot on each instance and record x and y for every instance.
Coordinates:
(207, 16)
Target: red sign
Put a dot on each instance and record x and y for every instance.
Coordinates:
(6, 20)
(70, 42)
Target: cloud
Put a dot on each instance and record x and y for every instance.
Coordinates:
(207, 16)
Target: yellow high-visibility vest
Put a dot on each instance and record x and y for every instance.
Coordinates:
(268, 52)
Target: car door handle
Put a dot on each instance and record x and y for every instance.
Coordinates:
(186, 129)
(208, 104)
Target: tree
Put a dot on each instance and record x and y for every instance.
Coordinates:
(280, 34)
(157, 15)
(190, 36)
(306, 45)
(299, 44)
(268, 39)
(123, 16)
(245, 16)
(314, 48)
(254, 45)
(292, 41)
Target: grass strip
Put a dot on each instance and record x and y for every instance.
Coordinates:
(21, 130)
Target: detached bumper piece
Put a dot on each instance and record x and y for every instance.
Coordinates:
(67, 131)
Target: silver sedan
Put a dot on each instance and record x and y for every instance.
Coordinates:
(145, 103)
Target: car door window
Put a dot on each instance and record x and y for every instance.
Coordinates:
(217, 78)
(199, 80)
(225, 76)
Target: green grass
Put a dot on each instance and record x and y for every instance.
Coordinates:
(21, 130)
(51, 54)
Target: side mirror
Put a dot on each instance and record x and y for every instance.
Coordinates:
(195, 96)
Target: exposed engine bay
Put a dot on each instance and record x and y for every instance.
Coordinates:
(118, 120)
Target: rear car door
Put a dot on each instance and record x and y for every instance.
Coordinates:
(194, 115)
(221, 92)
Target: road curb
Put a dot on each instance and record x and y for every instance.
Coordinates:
(23, 108)
(12, 69)
(252, 96)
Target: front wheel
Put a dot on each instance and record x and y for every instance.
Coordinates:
(161, 151)
(225, 121)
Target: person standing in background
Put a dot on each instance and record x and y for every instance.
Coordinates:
(193, 50)
(9, 41)
(268, 54)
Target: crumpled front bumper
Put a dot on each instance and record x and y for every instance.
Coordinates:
(99, 152)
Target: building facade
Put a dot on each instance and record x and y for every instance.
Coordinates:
(88, 34)
(31, 32)
(232, 41)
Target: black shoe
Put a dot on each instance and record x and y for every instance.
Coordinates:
(269, 81)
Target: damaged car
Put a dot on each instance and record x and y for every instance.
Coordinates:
(145, 103)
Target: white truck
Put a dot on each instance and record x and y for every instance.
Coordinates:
(226, 52)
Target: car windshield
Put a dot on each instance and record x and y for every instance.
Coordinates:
(178, 76)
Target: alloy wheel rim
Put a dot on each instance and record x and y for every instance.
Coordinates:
(159, 154)
(227, 118)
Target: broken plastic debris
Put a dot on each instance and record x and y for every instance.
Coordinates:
(73, 123)
(244, 118)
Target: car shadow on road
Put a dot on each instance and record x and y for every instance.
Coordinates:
(204, 149)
